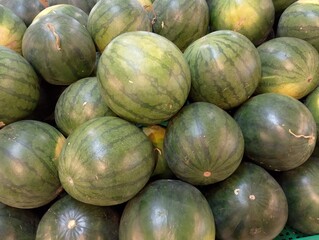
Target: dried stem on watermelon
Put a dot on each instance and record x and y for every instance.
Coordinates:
(57, 37)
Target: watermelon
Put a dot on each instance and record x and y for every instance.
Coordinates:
(29, 152)
(78, 103)
(12, 29)
(70, 219)
(203, 144)
(167, 209)
(250, 204)
(106, 161)
(225, 68)
(301, 188)
(290, 66)
(19, 224)
(181, 21)
(53, 48)
(26, 10)
(300, 20)
(153, 67)
(19, 87)
(109, 18)
(252, 18)
(85, 5)
(280, 132)
(70, 10)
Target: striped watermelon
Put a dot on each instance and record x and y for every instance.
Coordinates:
(168, 209)
(106, 161)
(144, 77)
(29, 151)
(252, 18)
(19, 87)
(300, 20)
(78, 103)
(279, 131)
(53, 47)
(12, 29)
(109, 19)
(225, 68)
(290, 66)
(203, 144)
(181, 21)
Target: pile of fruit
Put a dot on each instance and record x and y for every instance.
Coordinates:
(163, 119)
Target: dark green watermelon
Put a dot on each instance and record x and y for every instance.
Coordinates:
(302, 190)
(17, 224)
(168, 209)
(78, 103)
(181, 21)
(203, 144)
(19, 87)
(106, 161)
(290, 66)
(53, 48)
(250, 204)
(29, 152)
(225, 68)
(109, 18)
(252, 18)
(280, 132)
(69, 219)
(150, 84)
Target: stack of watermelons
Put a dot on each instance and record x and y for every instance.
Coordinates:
(159, 119)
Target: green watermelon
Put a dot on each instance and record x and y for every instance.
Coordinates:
(168, 209)
(301, 188)
(280, 132)
(19, 87)
(203, 144)
(85, 5)
(53, 47)
(70, 10)
(181, 21)
(106, 161)
(78, 103)
(69, 219)
(290, 66)
(17, 224)
(26, 10)
(109, 18)
(225, 68)
(150, 84)
(29, 152)
(252, 18)
(12, 29)
(300, 20)
(250, 204)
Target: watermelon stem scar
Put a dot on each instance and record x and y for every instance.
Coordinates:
(57, 38)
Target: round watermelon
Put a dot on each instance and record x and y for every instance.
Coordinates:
(252, 18)
(167, 209)
(53, 48)
(302, 190)
(150, 84)
(70, 219)
(300, 20)
(20, 89)
(250, 204)
(109, 18)
(78, 103)
(225, 68)
(290, 66)
(12, 29)
(106, 161)
(181, 21)
(203, 144)
(279, 131)
(29, 152)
